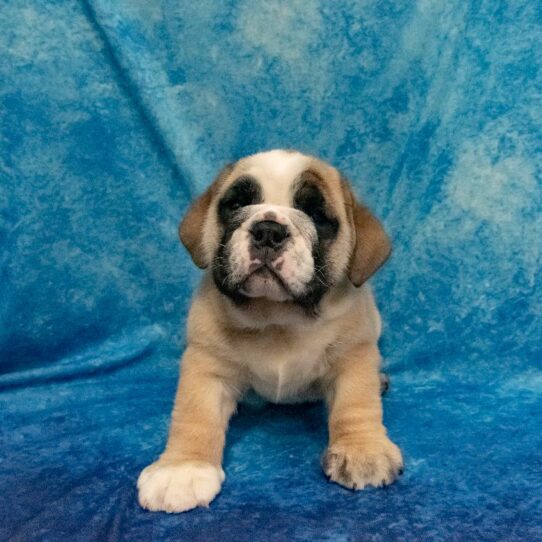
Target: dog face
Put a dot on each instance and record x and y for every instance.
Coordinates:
(284, 227)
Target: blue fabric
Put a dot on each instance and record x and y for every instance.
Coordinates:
(115, 114)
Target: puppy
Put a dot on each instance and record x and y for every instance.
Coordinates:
(284, 310)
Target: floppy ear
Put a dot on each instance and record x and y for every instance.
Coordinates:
(191, 226)
(372, 246)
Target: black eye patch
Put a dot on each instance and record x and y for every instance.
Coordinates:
(310, 200)
(244, 191)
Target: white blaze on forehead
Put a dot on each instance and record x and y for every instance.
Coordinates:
(275, 171)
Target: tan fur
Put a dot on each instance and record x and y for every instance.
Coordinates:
(274, 348)
(372, 246)
(191, 228)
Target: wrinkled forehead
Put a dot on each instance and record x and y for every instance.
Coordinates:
(276, 172)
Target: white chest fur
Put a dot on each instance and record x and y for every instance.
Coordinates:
(288, 368)
(288, 377)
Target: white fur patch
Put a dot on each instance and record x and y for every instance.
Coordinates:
(178, 487)
(284, 379)
(275, 171)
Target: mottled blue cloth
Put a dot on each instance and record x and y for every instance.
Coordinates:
(114, 115)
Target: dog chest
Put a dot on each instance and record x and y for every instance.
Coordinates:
(287, 372)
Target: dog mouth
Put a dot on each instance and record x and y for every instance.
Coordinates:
(264, 281)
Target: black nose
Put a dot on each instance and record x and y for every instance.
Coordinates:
(269, 234)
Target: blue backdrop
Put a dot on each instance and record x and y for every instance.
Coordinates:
(114, 114)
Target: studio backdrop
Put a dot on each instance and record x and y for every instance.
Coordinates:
(114, 115)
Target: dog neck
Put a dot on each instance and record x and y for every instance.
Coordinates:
(259, 314)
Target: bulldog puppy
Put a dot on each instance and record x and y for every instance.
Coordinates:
(284, 309)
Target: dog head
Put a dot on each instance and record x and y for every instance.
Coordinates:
(284, 227)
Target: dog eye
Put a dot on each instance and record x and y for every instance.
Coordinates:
(244, 191)
(318, 217)
(234, 205)
(310, 201)
(326, 226)
(238, 200)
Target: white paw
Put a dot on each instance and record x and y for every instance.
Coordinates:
(178, 487)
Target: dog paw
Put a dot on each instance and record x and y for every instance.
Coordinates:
(178, 487)
(357, 466)
(384, 383)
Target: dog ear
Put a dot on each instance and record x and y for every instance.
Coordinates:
(371, 245)
(191, 226)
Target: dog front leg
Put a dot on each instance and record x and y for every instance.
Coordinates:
(360, 453)
(189, 472)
